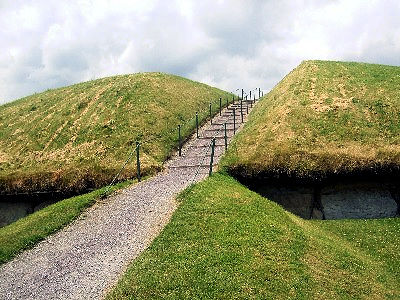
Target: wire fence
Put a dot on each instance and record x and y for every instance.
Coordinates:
(193, 124)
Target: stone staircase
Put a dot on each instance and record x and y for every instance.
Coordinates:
(196, 153)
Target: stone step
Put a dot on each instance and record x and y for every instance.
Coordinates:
(207, 141)
(212, 130)
(196, 172)
(229, 123)
(185, 161)
(220, 135)
(192, 166)
(217, 137)
(230, 111)
(189, 156)
(206, 146)
(203, 150)
(231, 114)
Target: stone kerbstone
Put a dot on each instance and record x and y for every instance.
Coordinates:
(297, 200)
(352, 202)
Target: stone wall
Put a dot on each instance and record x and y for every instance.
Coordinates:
(357, 201)
(337, 200)
(11, 211)
(296, 199)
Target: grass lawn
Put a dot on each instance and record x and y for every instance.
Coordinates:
(77, 137)
(28, 231)
(225, 241)
(323, 118)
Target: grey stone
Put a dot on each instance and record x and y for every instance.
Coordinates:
(296, 199)
(357, 202)
(12, 211)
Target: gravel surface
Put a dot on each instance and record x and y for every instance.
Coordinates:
(83, 260)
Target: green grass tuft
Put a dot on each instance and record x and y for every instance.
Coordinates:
(225, 241)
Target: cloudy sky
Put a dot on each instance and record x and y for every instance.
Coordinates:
(228, 44)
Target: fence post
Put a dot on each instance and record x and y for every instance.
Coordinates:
(226, 137)
(250, 94)
(138, 161)
(233, 99)
(254, 101)
(210, 115)
(242, 93)
(259, 93)
(247, 108)
(180, 141)
(220, 106)
(197, 124)
(241, 109)
(212, 156)
(234, 120)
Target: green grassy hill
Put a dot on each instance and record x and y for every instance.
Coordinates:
(77, 137)
(323, 118)
(227, 242)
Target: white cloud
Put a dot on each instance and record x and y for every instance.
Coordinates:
(229, 44)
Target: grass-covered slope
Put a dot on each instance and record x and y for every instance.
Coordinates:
(324, 117)
(227, 242)
(77, 137)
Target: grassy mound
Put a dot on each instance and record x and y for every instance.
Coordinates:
(323, 118)
(77, 137)
(227, 242)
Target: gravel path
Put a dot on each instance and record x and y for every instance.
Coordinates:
(85, 259)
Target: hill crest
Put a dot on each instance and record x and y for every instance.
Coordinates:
(76, 137)
(324, 118)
